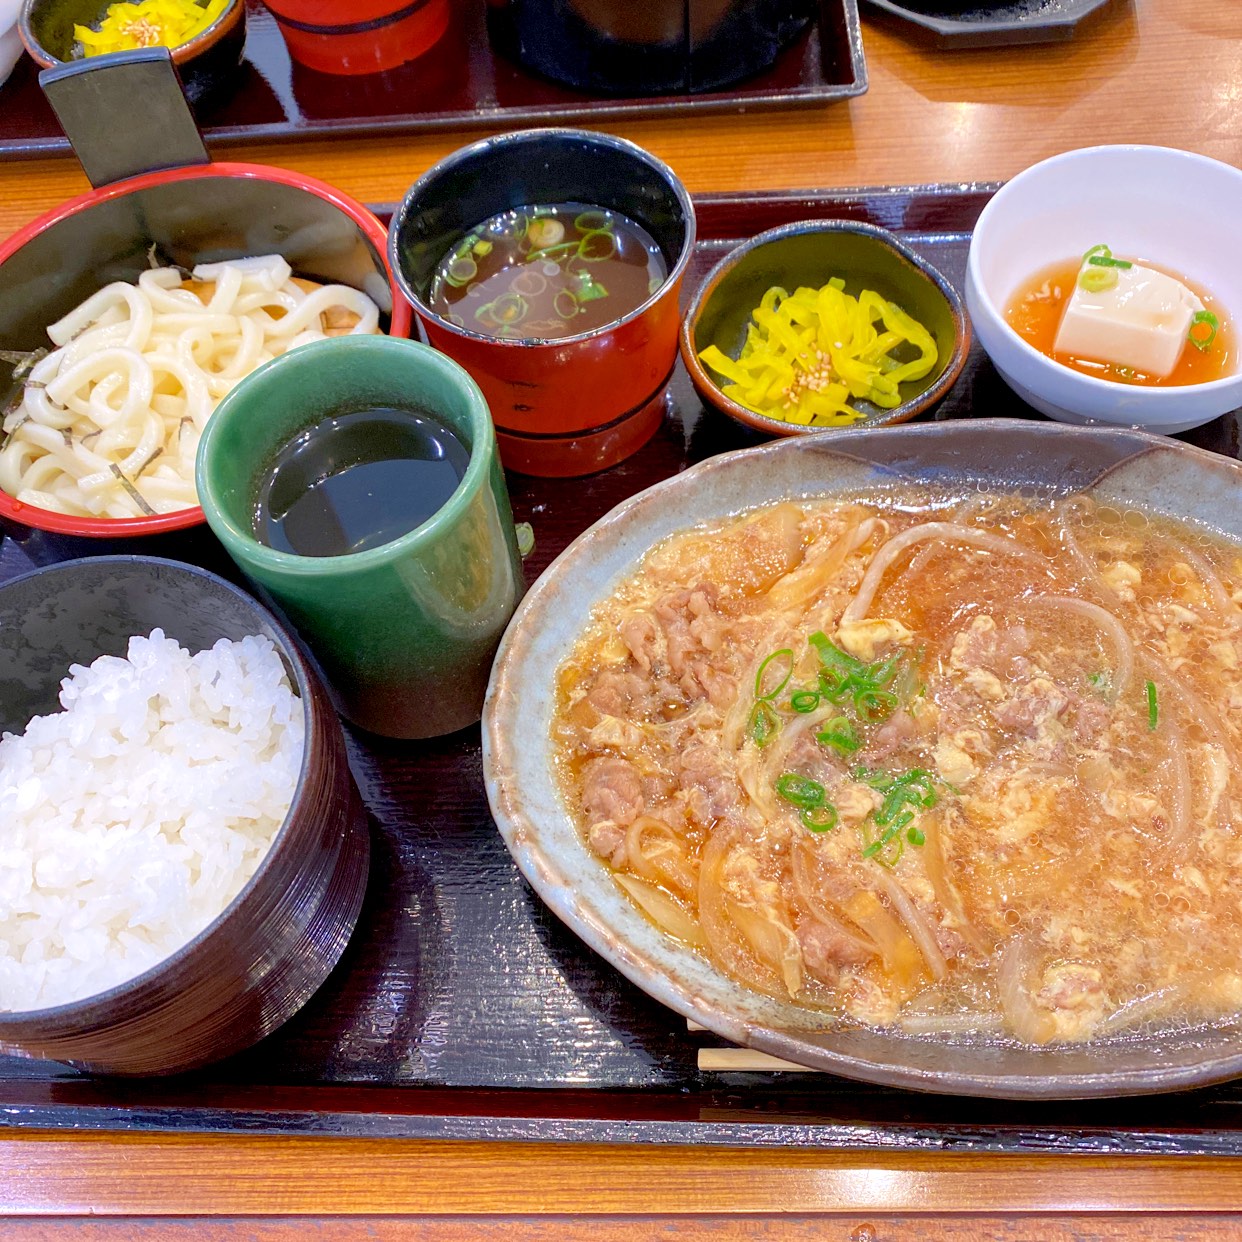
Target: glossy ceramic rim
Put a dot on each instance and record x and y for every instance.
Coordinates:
(295, 663)
(554, 881)
(482, 453)
(233, 13)
(518, 138)
(996, 316)
(111, 528)
(710, 391)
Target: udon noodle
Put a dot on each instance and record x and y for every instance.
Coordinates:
(940, 766)
(109, 422)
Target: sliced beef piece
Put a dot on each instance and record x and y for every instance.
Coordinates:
(612, 789)
(826, 950)
(686, 617)
(642, 636)
(1032, 707)
(608, 841)
(618, 693)
(710, 791)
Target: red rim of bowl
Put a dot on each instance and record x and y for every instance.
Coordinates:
(376, 233)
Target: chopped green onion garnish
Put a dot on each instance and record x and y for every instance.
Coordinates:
(1202, 318)
(461, 271)
(525, 538)
(597, 245)
(804, 701)
(589, 289)
(882, 673)
(801, 791)
(546, 251)
(509, 309)
(819, 818)
(1153, 706)
(840, 734)
(593, 222)
(873, 706)
(1100, 249)
(763, 668)
(1102, 681)
(1107, 260)
(877, 778)
(905, 794)
(762, 725)
(1097, 279)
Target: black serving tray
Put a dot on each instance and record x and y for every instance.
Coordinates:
(463, 1008)
(461, 82)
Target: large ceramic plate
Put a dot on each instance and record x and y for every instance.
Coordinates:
(1121, 467)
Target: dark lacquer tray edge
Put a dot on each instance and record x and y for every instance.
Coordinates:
(739, 99)
(928, 208)
(531, 1125)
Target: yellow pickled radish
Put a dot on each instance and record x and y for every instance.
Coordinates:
(132, 24)
(808, 354)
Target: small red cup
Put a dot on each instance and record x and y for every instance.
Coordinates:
(377, 35)
(572, 406)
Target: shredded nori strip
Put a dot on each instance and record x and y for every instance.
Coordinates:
(23, 362)
(155, 260)
(135, 494)
(157, 451)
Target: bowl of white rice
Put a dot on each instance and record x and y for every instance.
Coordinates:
(183, 852)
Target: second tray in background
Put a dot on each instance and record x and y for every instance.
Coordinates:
(461, 82)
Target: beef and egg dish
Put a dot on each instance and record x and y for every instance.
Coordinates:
(941, 764)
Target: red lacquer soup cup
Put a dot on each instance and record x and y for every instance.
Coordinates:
(364, 36)
(200, 213)
(576, 404)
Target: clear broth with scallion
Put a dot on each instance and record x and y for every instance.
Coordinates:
(357, 480)
(1035, 315)
(549, 271)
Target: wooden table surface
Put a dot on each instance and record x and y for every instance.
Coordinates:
(1157, 71)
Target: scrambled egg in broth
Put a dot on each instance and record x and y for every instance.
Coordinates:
(958, 767)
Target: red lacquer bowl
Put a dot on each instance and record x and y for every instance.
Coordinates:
(365, 36)
(195, 213)
(569, 406)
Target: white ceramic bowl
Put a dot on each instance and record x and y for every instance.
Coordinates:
(1169, 206)
(10, 40)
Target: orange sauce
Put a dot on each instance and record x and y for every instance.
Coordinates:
(1036, 310)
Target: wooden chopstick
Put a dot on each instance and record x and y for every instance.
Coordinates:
(741, 1060)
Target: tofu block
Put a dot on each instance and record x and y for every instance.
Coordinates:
(1141, 322)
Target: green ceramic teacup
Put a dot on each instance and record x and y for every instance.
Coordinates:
(404, 632)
